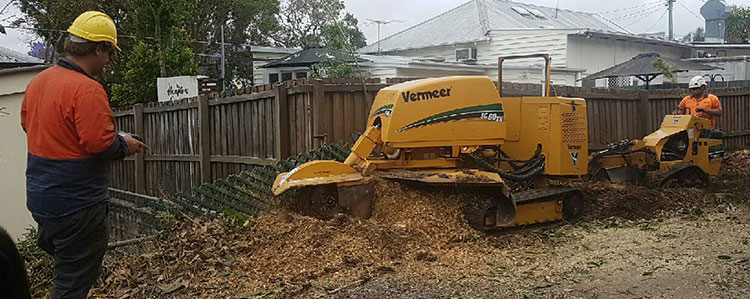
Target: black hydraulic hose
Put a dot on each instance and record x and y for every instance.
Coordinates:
(512, 162)
(534, 168)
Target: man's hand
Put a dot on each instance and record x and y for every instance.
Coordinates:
(134, 146)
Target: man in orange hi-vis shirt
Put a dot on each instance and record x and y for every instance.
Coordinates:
(699, 102)
(71, 138)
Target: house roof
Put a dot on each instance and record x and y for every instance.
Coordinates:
(306, 57)
(472, 20)
(643, 65)
(638, 38)
(380, 61)
(10, 56)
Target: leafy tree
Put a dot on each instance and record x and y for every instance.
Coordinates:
(166, 28)
(347, 27)
(139, 84)
(160, 19)
(52, 18)
(163, 50)
(245, 22)
(697, 36)
(302, 21)
(738, 26)
(340, 38)
(666, 69)
(139, 80)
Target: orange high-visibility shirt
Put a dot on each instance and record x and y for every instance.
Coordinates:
(70, 133)
(711, 101)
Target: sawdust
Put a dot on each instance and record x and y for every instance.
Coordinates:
(414, 231)
(408, 226)
(631, 201)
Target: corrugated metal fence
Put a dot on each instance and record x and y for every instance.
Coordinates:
(200, 140)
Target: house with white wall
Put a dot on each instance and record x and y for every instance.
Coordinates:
(14, 217)
(479, 31)
(302, 63)
(264, 55)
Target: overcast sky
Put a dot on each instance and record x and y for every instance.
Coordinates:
(638, 16)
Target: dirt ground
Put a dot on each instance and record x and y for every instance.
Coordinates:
(632, 242)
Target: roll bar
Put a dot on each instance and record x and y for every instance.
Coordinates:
(547, 70)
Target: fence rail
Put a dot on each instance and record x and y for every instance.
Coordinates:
(200, 140)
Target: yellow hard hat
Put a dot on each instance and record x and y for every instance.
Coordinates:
(96, 27)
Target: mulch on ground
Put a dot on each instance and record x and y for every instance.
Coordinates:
(413, 229)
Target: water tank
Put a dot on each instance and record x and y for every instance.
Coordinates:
(716, 13)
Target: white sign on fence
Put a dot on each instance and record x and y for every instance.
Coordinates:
(175, 88)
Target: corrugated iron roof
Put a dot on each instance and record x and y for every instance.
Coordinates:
(306, 57)
(10, 56)
(472, 20)
(643, 65)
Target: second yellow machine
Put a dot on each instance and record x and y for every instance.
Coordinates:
(459, 131)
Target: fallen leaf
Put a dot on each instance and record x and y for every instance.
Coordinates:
(171, 288)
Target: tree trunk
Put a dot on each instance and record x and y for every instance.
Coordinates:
(159, 45)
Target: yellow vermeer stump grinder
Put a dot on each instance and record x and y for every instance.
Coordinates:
(460, 131)
(683, 152)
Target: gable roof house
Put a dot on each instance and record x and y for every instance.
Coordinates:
(301, 65)
(479, 31)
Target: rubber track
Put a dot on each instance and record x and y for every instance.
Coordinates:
(659, 179)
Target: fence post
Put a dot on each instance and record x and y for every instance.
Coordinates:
(317, 102)
(281, 130)
(204, 128)
(645, 116)
(140, 162)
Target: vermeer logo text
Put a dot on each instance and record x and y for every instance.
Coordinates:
(425, 95)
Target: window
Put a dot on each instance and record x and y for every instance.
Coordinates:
(273, 78)
(300, 75)
(521, 11)
(589, 83)
(536, 13)
(286, 76)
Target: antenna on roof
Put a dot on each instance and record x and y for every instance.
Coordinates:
(383, 22)
(557, 7)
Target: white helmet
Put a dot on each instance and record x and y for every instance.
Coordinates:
(696, 82)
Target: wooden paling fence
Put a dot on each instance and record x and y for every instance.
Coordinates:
(197, 141)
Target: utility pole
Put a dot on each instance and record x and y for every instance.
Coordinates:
(671, 19)
(223, 59)
(379, 23)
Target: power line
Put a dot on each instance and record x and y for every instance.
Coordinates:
(657, 22)
(639, 13)
(123, 35)
(6, 6)
(645, 16)
(690, 11)
(629, 8)
(646, 10)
